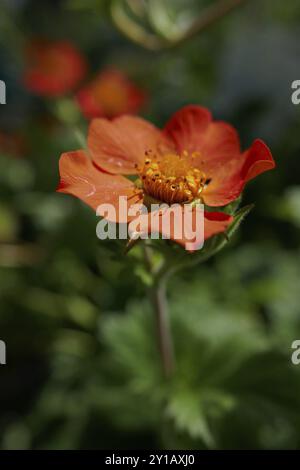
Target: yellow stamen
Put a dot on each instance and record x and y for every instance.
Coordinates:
(172, 178)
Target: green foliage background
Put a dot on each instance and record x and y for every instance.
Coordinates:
(82, 367)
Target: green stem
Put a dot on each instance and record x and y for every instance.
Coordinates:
(80, 138)
(138, 34)
(210, 16)
(159, 302)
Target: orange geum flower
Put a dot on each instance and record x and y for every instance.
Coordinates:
(193, 159)
(110, 94)
(53, 69)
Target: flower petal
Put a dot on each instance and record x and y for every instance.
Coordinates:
(212, 143)
(216, 146)
(258, 159)
(228, 181)
(116, 146)
(81, 179)
(186, 127)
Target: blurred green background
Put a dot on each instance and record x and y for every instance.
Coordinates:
(82, 363)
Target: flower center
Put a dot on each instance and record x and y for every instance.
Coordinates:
(171, 178)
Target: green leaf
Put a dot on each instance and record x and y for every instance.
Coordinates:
(185, 410)
(238, 219)
(216, 243)
(218, 342)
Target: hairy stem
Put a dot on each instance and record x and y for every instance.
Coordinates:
(159, 302)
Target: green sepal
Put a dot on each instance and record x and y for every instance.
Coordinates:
(218, 242)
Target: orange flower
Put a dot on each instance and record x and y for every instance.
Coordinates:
(110, 94)
(53, 68)
(192, 159)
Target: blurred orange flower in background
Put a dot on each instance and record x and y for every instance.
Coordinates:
(53, 69)
(110, 94)
(12, 143)
(193, 159)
